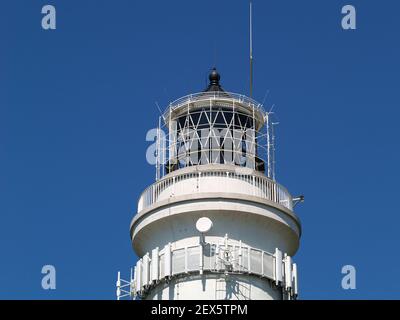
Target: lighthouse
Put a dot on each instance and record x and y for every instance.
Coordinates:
(215, 225)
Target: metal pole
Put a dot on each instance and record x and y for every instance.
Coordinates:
(251, 49)
(158, 149)
(268, 148)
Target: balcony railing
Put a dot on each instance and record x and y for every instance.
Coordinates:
(221, 96)
(221, 180)
(161, 265)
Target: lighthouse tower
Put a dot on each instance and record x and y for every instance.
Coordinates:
(215, 224)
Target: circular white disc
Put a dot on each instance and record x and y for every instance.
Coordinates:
(204, 225)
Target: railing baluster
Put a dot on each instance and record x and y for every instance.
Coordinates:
(261, 187)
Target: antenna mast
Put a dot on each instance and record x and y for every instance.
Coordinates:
(273, 124)
(251, 49)
(268, 146)
(158, 147)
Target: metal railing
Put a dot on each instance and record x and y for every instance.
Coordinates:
(254, 185)
(167, 263)
(215, 95)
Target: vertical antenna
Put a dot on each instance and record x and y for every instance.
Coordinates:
(251, 49)
(158, 147)
(273, 124)
(215, 53)
(268, 147)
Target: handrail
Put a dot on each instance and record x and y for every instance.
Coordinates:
(260, 186)
(195, 97)
(164, 265)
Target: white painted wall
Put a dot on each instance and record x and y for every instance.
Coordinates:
(236, 210)
(216, 287)
(254, 224)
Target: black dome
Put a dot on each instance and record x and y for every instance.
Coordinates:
(214, 78)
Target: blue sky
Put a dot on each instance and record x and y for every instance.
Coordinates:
(77, 102)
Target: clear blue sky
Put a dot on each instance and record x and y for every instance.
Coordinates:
(77, 102)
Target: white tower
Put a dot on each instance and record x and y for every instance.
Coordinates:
(215, 224)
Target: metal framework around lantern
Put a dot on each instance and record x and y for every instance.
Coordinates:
(215, 128)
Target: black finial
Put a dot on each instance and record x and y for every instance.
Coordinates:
(214, 77)
(214, 81)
